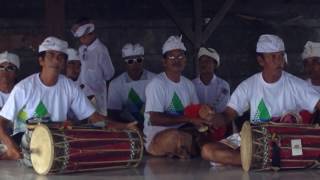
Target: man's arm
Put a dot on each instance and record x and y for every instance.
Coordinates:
(161, 119)
(13, 152)
(98, 118)
(224, 118)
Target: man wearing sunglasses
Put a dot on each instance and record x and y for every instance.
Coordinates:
(46, 95)
(126, 95)
(166, 97)
(9, 65)
(96, 64)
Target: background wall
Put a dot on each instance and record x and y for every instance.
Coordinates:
(146, 22)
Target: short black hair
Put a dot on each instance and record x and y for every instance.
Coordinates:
(259, 54)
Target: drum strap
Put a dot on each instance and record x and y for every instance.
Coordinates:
(275, 159)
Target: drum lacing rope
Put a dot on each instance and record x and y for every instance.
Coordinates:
(132, 145)
(66, 154)
(266, 137)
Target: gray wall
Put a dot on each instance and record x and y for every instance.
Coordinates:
(234, 39)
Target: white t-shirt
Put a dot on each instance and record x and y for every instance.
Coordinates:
(128, 95)
(215, 94)
(317, 88)
(265, 100)
(3, 98)
(166, 96)
(31, 98)
(96, 69)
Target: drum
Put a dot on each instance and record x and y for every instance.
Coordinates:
(279, 146)
(81, 149)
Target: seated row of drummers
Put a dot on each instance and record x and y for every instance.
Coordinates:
(163, 104)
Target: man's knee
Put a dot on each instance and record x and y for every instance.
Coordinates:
(208, 151)
(171, 142)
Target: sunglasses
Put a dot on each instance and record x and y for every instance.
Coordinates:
(134, 60)
(8, 68)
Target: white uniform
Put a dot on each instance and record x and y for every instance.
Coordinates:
(265, 100)
(3, 98)
(166, 96)
(96, 69)
(317, 88)
(215, 94)
(31, 98)
(128, 95)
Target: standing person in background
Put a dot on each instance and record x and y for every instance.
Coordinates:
(96, 64)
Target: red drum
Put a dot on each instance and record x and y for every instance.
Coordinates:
(279, 146)
(74, 150)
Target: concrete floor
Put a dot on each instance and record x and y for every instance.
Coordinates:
(162, 169)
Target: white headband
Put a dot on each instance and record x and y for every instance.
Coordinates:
(172, 43)
(132, 50)
(269, 43)
(311, 49)
(53, 43)
(84, 29)
(73, 55)
(10, 57)
(209, 52)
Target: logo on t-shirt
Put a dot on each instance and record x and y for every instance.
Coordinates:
(175, 107)
(135, 105)
(22, 114)
(262, 114)
(41, 111)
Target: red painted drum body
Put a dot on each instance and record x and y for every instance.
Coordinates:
(82, 149)
(280, 146)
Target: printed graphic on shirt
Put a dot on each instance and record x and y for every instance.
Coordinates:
(262, 114)
(135, 105)
(175, 107)
(41, 111)
(22, 114)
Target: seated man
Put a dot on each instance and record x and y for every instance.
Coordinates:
(126, 97)
(268, 94)
(311, 62)
(211, 89)
(73, 66)
(47, 94)
(72, 72)
(166, 97)
(9, 65)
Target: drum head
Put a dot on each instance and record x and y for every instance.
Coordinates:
(42, 149)
(246, 146)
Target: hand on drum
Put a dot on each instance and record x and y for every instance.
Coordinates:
(120, 126)
(217, 121)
